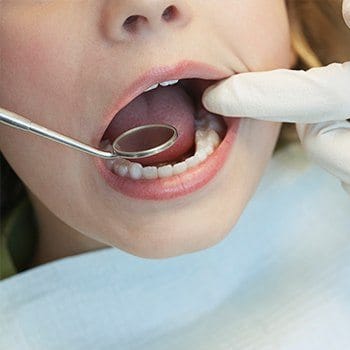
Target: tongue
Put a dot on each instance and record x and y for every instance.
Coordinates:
(164, 105)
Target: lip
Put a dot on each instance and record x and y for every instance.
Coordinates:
(193, 179)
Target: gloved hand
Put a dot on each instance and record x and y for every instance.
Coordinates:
(318, 100)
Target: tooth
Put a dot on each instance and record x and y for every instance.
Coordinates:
(208, 121)
(206, 145)
(214, 138)
(202, 155)
(108, 148)
(165, 171)
(209, 149)
(123, 170)
(200, 134)
(192, 162)
(122, 167)
(110, 163)
(135, 171)
(170, 82)
(152, 87)
(179, 168)
(150, 172)
(201, 144)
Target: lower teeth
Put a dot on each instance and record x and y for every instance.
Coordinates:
(207, 139)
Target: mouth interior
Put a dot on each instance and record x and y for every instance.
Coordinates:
(178, 105)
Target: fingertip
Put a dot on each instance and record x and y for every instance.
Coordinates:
(209, 97)
(221, 98)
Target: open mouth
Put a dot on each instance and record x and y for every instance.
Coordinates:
(176, 103)
(194, 159)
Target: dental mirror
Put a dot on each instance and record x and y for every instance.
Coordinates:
(140, 142)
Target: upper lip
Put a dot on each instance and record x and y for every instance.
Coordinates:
(182, 70)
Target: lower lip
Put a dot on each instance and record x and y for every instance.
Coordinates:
(179, 185)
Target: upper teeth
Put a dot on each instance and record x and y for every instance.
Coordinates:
(170, 82)
(164, 83)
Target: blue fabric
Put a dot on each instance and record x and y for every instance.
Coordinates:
(281, 280)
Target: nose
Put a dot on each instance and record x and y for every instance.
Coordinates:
(128, 19)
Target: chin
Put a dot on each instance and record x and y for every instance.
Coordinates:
(185, 239)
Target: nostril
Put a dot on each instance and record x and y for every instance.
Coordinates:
(132, 22)
(170, 13)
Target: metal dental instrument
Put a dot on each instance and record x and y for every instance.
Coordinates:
(140, 142)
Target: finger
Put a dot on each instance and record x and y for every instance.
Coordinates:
(313, 96)
(346, 12)
(329, 145)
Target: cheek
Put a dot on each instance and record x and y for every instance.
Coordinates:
(260, 34)
(35, 161)
(25, 53)
(39, 71)
(38, 65)
(256, 142)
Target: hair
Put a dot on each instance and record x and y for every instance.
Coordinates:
(319, 37)
(319, 33)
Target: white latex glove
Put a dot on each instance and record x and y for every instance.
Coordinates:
(318, 100)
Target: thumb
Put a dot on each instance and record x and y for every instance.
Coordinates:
(328, 144)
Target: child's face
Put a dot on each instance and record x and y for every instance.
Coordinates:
(66, 63)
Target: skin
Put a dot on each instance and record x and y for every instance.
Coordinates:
(62, 63)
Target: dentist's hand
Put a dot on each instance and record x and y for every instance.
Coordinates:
(318, 100)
